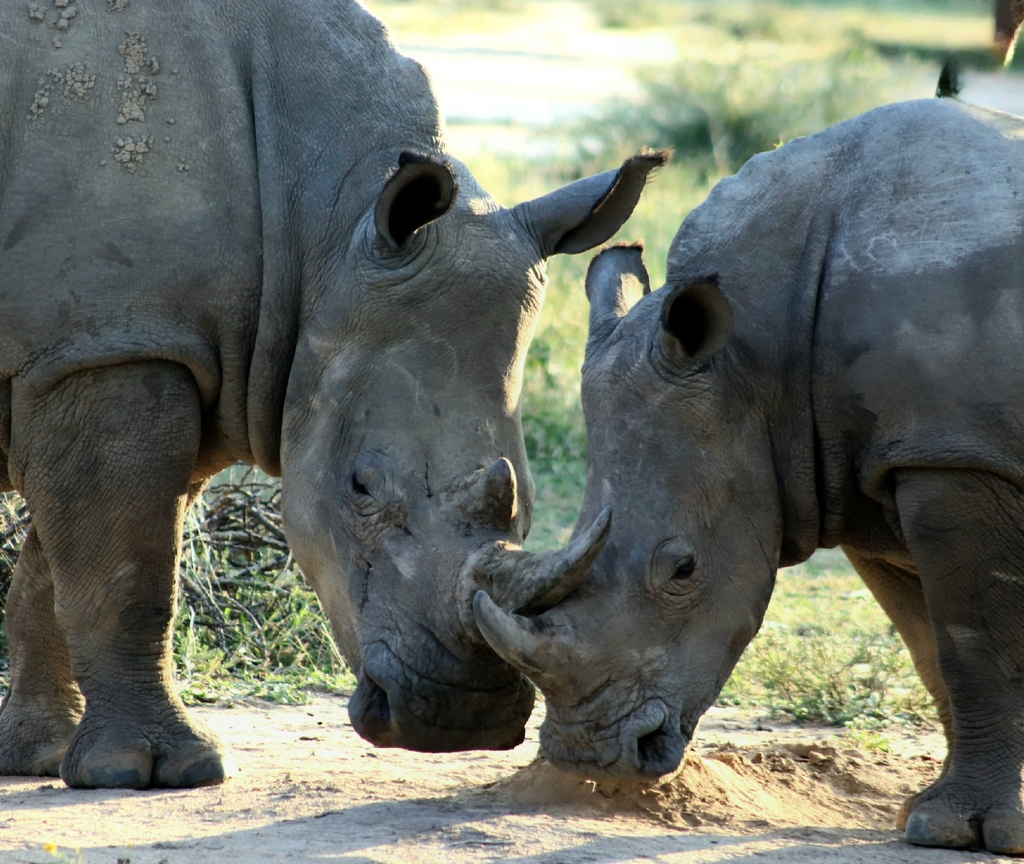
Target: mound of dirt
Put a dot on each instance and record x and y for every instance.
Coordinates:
(742, 787)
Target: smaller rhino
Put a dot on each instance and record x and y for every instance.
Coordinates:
(837, 358)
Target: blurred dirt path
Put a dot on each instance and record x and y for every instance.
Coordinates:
(1000, 90)
(499, 90)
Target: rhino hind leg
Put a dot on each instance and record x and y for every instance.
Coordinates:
(899, 592)
(107, 470)
(963, 530)
(42, 708)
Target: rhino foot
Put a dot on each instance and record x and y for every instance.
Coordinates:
(178, 754)
(31, 761)
(940, 822)
(33, 740)
(934, 824)
(1003, 832)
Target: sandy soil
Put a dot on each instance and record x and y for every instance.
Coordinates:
(308, 789)
(996, 90)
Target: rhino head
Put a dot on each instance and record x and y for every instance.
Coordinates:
(630, 660)
(404, 475)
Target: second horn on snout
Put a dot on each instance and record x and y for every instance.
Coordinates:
(489, 496)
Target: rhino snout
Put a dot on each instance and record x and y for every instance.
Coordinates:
(647, 744)
(394, 706)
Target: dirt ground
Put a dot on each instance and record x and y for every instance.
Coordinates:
(309, 789)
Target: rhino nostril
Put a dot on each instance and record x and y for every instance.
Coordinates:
(658, 752)
(649, 746)
(369, 709)
(377, 703)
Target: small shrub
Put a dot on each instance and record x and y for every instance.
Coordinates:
(247, 625)
(828, 654)
(638, 13)
(721, 113)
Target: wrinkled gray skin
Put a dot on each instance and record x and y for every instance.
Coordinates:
(835, 360)
(270, 258)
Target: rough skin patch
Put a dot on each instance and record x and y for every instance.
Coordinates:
(76, 79)
(66, 17)
(135, 90)
(133, 98)
(40, 99)
(128, 151)
(136, 55)
(75, 82)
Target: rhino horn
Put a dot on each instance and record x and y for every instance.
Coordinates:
(531, 582)
(498, 494)
(488, 496)
(616, 279)
(519, 641)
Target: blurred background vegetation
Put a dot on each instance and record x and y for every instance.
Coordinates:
(746, 77)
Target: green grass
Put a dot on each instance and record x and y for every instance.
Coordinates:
(828, 654)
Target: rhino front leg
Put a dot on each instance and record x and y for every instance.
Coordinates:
(107, 460)
(899, 592)
(963, 529)
(43, 705)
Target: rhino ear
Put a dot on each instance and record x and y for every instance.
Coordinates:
(616, 279)
(420, 191)
(696, 320)
(588, 212)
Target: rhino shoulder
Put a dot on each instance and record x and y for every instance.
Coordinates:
(872, 174)
(768, 202)
(336, 68)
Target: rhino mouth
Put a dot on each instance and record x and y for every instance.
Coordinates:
(644, 745)
(397, 706)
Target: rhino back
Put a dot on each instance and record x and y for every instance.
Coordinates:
(165, 167)
(875, 267)
(920, 325)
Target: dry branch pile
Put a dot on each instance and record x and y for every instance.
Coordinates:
(240, 591)
(14, 523)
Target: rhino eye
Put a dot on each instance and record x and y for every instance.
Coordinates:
(684, 569)
(674, 575)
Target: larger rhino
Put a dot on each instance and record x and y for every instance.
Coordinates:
(231, 231)
(837, 358)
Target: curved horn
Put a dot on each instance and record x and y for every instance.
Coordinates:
(616, 279)
(520, 641)
(531, 582)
